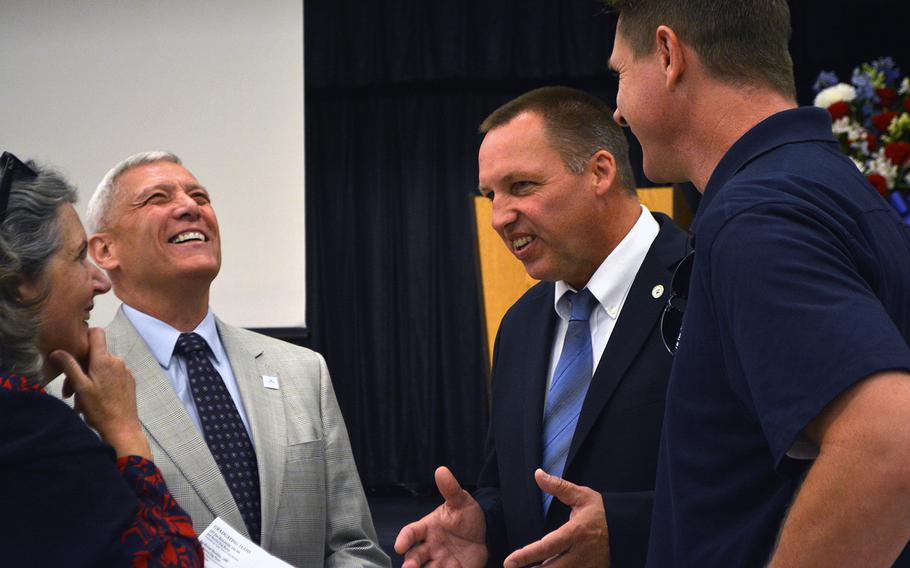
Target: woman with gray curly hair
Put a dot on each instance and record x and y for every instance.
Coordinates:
(69, 498)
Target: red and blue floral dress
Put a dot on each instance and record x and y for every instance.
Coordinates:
(67, 500)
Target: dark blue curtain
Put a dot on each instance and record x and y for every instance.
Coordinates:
(394, 93)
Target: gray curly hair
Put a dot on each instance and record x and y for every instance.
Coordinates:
(29, 237)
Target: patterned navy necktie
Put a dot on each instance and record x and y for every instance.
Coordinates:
(568, 387)
(223, 429)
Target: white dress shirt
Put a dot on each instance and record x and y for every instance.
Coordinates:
(610, 285)
(161, 339)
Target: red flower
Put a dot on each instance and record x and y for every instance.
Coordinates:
(839, 109)
(872, 141)
(887, 96)
(881, 121)
(898, 152)
(907, 104)
(879, 183)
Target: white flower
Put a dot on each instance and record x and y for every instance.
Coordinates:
(880, 164)
(835, 94)
(857, 136)
(848, 126)
(905, 86)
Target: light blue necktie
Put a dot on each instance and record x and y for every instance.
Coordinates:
(568, 388)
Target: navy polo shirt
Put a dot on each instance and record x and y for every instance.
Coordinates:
(800, 288)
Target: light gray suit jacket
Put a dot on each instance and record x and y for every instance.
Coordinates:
(314, 511)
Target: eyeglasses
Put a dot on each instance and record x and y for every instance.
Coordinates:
(672, 318)
(10, 166)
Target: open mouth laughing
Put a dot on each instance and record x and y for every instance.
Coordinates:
(188, 236)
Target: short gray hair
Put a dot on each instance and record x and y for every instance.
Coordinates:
(99, 205)
(29, 237)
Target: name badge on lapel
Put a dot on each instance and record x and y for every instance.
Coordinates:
(270, 382)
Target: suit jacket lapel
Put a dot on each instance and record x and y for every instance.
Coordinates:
(265, 411)
(640, 313)
(167, 423)
(531, 374)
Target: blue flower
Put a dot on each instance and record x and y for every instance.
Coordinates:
(868, 110)
(886, 66)
(825, 80)
(863, 83)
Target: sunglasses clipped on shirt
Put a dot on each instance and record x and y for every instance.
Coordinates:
(672, 318)
(10, 167)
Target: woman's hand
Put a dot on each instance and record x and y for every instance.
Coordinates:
(105, 395)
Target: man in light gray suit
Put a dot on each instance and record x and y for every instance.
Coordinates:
(157, 237)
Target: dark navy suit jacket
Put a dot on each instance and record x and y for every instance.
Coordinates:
(615, 446)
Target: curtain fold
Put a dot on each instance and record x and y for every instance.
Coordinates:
(391, 42)
(393, 288)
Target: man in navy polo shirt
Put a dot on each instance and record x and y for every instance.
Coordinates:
(786, 439)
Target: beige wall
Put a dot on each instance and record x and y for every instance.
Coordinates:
(87, 82)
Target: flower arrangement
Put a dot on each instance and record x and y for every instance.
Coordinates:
(871, 118)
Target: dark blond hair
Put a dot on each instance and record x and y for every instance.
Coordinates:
(741, 41)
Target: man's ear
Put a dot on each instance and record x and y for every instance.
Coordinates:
(101, 247)
(603, 168)
(672, 55)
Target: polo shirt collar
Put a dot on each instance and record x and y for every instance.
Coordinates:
(161, 337)
(793, 125)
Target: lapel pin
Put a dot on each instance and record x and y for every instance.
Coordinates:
(270, 382)
(657, 291)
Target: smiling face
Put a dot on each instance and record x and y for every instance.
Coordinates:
(544, 213)
(642, 105)
(163, 232)
(71, 282)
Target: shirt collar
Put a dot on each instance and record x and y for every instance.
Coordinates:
(611, 281)
(161, 337)
(793, 125)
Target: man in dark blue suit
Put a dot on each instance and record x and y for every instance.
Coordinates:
(576, 391)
